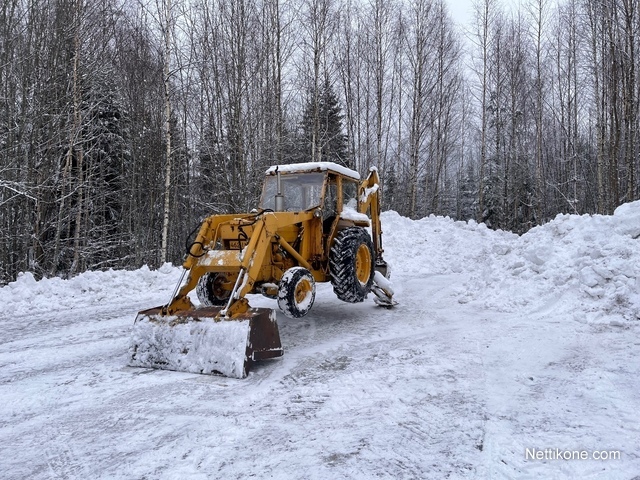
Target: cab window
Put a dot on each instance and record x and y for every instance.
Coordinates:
(301, 191)
(349, 194)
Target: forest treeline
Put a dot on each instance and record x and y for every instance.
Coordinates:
(123, 124)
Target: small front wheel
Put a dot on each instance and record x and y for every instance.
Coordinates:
(297, 292)
(213, 289)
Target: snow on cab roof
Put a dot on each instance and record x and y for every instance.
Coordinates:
(314, 167)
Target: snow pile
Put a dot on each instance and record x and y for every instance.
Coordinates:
(350, 213)
(27, 295)
(313, 167)
(596, 257)
(439, 245)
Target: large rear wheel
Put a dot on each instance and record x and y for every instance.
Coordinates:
(212, 289)
(297, 292)
(351, 264)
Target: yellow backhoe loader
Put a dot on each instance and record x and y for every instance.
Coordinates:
(311, 226)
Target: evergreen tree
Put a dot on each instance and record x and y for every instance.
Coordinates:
(107, 153)
(211, 179)
(467, 194)
(323, 130)
(390, 191)
(493, 211)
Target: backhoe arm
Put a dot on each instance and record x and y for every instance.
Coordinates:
(369, 199)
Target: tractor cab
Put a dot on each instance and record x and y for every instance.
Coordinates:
(328, 188)
(304, 186)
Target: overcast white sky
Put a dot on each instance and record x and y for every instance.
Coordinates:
(461, 10)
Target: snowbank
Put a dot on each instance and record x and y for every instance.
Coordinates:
(589, 263)
(439, 245)
(27, 295)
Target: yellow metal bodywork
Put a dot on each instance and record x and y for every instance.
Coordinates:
(251, 252)
(266, 253)
(369, 202)
(256, 248)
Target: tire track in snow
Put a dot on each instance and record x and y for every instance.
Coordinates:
(364, 377)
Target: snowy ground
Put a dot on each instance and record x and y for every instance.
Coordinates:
(499, 344)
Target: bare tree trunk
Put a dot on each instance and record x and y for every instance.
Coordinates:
(630, 15)
(77, 127)
(380, 64)
(277, 62)
(596, 33)
(167, 30)
(484, 10)
(417, 58)
(319, 23)
(538, 12)
(613, 86)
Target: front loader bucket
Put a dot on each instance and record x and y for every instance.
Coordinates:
(195, 341)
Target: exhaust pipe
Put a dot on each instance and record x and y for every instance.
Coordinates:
(279, 203)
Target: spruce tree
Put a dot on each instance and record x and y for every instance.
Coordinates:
(324, 130)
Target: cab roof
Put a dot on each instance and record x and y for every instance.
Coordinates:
(314, 167)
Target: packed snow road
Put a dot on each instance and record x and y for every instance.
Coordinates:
(489, 367)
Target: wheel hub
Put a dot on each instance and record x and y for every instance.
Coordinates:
(363, 264)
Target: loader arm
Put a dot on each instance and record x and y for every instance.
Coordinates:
(265, 228)
(180, 301)
(252, 261)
